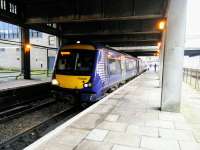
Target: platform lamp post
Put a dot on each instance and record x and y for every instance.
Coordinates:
(26, 47)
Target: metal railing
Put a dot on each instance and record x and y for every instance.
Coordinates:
(192, 77)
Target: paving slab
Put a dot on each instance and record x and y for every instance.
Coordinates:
(89, 121)
(142, 130)
(97, 135)
(113, 126)
(93, 145)
(122, 147)
(123, 139)
(181, 135)
(160, 124)
(112, 118)
(189, 146)
(159, 144)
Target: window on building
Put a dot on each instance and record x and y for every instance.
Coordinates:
(9, 31)
(13, 8)
(51, 40)
(3, 4)
(35, 34)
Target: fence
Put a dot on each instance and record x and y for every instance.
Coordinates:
(192, 77)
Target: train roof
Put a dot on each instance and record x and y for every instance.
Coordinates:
(96, 45)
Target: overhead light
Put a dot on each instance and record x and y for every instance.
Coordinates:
(27, 48)
(157, 53)
(159, 45)
(161, 25)
(65, 53)
(78, 42)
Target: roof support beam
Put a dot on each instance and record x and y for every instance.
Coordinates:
(66, 19)
(110, 34)
(146, 53)
(130, 43)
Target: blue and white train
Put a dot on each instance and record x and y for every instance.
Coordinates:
(90, 70)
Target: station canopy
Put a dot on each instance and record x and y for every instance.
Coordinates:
(118, 23)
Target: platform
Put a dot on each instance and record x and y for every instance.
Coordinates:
(19, 84)
(127, 119)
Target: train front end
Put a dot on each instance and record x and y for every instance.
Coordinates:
(74, 73)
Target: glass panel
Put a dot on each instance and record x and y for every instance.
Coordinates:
(76, 62)
(10, 52)
(43, 54)
(42, 62)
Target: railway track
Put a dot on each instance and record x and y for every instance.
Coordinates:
(25, 108)
(24, 139)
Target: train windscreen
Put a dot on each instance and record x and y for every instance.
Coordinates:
(75, 62)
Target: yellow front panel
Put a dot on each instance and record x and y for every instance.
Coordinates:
(72, 82)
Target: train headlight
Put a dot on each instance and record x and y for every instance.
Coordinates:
(55, 82)
(87, 85)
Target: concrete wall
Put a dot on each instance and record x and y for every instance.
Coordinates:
(174, 56)
(10, 56)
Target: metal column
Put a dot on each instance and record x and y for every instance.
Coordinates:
(25, 53)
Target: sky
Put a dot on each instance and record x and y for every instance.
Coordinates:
(193, 24)
(193, 17)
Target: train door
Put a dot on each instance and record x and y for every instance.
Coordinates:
(106, 71)
(123, 67)
(51, 60)
(138, 67)
(102, 68)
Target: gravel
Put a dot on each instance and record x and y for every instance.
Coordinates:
(16, 126)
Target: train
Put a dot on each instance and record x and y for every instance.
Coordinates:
(87, 71)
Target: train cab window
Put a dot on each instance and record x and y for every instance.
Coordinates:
(84, 62)
(75, 62)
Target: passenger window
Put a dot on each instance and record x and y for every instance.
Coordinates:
(114, 66)
(130, 65)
